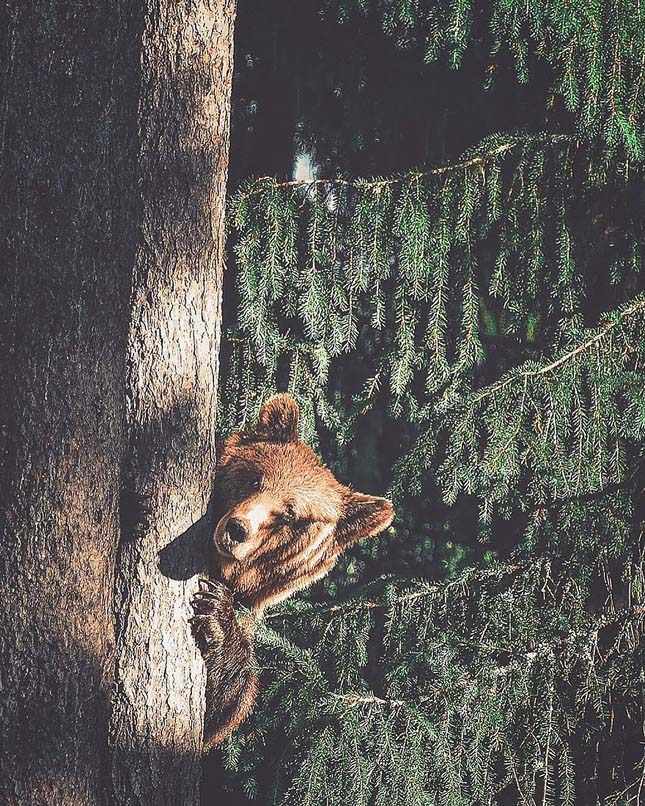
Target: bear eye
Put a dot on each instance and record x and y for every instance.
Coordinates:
(289, 513)
(256, 482)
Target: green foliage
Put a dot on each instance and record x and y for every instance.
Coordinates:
(595, 50)
(489, 684)
(567, 425)
(484, 322)
(418, 262)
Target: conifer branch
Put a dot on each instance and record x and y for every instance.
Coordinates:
(425, 589)
(597, 76)
(638, 306)
(376, 184)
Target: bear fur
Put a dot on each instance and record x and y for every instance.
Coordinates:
(282, 522)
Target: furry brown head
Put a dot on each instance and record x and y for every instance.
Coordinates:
(282, 518)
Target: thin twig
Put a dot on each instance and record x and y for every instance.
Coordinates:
(637, 306)
(375, 184)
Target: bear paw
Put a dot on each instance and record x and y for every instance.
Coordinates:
(214, 614)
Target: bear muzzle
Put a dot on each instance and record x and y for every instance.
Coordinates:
(232, 535)
(237, 530)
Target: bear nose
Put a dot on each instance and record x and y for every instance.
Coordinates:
(237, 530)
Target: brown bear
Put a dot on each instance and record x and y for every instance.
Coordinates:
(282, 521)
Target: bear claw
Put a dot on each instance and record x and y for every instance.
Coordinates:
(213, 586)
(212, 613)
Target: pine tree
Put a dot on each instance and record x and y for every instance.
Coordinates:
(490, 313)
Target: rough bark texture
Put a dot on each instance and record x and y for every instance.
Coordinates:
(173, 349)
(67, 154)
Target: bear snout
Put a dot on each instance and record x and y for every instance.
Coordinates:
(237, 530)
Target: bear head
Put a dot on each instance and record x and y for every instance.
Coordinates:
(282, 519)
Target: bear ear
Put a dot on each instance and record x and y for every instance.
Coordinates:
(278, 420)
(363, 516)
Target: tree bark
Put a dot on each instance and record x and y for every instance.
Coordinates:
(114, 139)
(173, 348)
(68, 222)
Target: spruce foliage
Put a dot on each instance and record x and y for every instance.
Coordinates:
(594, 49)
(490, 313)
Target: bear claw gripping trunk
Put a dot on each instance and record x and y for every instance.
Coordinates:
(227, 648)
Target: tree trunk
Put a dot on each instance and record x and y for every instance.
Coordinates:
(68, 223)
(171, 399)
